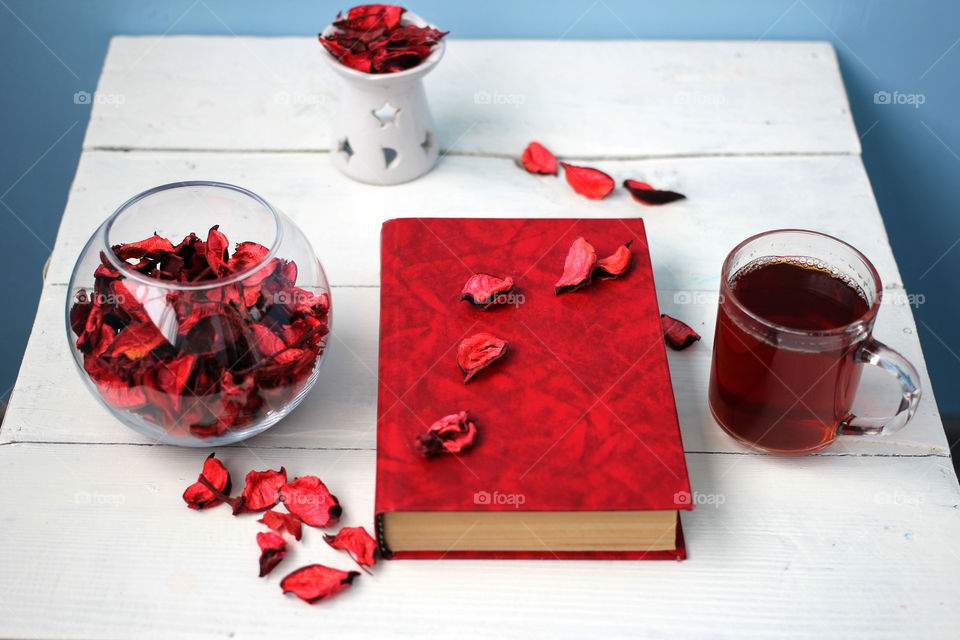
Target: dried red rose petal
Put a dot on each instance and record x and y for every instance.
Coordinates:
(272, 550)
(645, 194)
(478, 352)
(261, 492)
(678, 335)
(450, 434)
(114, 389)
(387, 14)
(217, 251)
(407, 37)
(577, 268)
(283, 522)
(316, 582)
(199, 495)
(152, 246)
(591, 183)
(136, 341)
(365, 28)
(309, 499)
(484, 290)
(334, 47)
(362, 61)
(537, 159)
(357, 542)
(388, 60)
(165, 384)
(615, 264)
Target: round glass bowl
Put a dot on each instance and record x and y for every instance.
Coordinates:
(198, 314)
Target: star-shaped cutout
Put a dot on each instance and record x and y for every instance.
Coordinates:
(387, 114)
(345, 148)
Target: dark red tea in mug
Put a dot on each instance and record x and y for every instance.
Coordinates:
(780, 394)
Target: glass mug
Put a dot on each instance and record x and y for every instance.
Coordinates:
(794, 325)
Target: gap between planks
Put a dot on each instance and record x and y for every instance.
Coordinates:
(501, 156)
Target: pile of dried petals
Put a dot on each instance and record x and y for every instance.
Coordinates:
(591, 183)
(225, 355)
(371, 38)
(309, 502)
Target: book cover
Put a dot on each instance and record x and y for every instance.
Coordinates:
(579, 416)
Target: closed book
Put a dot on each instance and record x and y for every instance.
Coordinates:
(578, 451)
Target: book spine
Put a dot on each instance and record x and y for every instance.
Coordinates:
(385, 551)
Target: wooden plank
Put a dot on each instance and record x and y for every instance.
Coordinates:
(51, 404)
(102, 545)
(657, 97)
(729, 199)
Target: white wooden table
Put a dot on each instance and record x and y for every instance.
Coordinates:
(858, 540)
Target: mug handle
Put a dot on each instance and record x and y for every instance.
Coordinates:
(876, 353)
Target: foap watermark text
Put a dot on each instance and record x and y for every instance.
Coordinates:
(498, 498)
(684, 498)
(85, 97)
(495, 98)
(912, 99)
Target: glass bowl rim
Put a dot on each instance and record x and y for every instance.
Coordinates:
(125, 268)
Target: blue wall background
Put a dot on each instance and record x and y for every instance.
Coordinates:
(51, 49)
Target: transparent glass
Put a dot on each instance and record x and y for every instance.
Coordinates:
(786, 390)
(211, 361)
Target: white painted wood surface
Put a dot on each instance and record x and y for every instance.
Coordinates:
(587, 98)
(728, 199)
(855, 541)
(812, 547)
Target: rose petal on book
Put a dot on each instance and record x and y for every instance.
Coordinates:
(645, 194)
(615, 264)
(677, 334)
(588, 182)
(454, 433)
(479, 351)
(316, 582)
(537, 159)
(272, 550)
(577, 268)
(484, 290)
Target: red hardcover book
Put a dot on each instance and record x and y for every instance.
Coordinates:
(578, 451)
